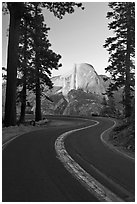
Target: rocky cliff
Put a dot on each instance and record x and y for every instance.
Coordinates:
(80, 92)
(82, 76)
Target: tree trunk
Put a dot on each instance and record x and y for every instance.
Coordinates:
(127, 81)
(10, 104)
(23, 94)
(38, 97)
(23, 104)
(38, 90)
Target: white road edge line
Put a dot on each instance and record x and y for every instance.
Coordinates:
(10, 140)
(111, 146)
(91, 184)
(87, 180)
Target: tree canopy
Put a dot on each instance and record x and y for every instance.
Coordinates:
(121, 48)
(19, 11)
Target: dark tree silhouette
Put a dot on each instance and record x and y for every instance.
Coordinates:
(23, 66)
(121, 48)
(17, 11)
(43, 60)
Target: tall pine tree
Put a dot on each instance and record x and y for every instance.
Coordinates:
(17, 11)
(35, 58)
(24, 57)
(43, 59)
(121, 48)
(14, 32)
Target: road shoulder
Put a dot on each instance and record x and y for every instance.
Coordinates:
(105, 137)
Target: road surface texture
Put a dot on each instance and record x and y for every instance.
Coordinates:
(31, 171)
(109, 167)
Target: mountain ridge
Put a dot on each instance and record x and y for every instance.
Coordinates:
(82, 76)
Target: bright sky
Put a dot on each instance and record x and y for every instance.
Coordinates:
(78, 37)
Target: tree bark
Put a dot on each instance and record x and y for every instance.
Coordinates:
(38, 97)
(127, 81)
(23, 104)
(10, 104)
(23, 94)
(38, 90)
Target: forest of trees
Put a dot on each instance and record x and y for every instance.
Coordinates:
(121, 67)
(121, 48)
(30, 59)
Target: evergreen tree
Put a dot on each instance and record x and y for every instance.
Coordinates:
(17, 11)
(43, 60)
(35, 58)
(10, 104)
(121, 48)
(23, 63)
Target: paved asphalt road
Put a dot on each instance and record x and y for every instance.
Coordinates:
(32, 173)
(110, 168)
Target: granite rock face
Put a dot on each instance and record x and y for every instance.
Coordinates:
(81, 92)
(82, 76)
(82, 103)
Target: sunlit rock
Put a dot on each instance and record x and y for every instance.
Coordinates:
(82, 76)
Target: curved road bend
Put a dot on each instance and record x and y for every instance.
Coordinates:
(31, 171)
(109, 167)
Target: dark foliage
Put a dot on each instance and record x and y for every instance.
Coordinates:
(121, 48)
(18, 11)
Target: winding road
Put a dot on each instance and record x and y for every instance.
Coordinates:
(32, 172)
